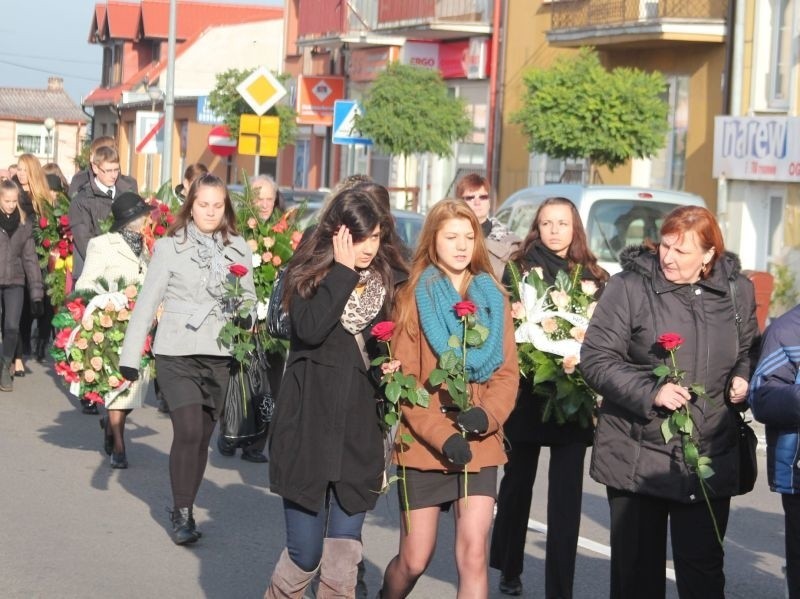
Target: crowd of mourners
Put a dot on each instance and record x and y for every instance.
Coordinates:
(667, 356)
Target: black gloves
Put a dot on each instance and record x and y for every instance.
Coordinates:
(245, 323)
(37, 308)
(130, 374)
(473, 420)
(456, 450)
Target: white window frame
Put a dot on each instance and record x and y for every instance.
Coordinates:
(45, 149)
(780, 55)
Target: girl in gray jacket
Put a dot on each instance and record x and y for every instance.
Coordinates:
(187, 276)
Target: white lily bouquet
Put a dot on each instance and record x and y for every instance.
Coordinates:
(550, 323)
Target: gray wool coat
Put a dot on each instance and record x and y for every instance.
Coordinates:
(191, 317)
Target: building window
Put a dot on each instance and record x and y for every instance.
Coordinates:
(471, 151)
(780, 54)
(112, 65)
(668, 166)
(33, 139)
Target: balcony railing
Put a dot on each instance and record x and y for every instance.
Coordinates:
(420, 12)
(578, 14)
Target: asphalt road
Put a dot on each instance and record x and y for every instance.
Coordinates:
(70, 527)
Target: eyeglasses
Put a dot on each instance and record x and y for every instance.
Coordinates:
(107, 171)
(469, 198)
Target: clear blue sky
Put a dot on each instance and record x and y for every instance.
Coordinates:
(50, 37)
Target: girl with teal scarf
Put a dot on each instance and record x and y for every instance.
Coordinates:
(451, 265)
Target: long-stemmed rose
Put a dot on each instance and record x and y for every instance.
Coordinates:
(452, 368)
(680, 421)
(397, 387)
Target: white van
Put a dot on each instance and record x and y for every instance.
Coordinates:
(614, 216)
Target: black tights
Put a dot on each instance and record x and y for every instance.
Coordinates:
(192, 427)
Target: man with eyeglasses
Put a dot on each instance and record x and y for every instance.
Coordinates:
(475, 190)
(82, 178)
(91, 205)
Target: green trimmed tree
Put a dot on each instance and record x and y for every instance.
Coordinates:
(579, 109)
(409, 110)
(229, 104)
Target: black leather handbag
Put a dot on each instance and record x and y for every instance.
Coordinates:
(746, 436)
(278, 325)
(748, 463)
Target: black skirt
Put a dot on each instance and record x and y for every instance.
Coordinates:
(194, 380)
(428, 488)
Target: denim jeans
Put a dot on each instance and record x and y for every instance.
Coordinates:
(306, 530)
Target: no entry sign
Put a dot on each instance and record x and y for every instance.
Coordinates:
(220, 142)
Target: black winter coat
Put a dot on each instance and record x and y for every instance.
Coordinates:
(326, 427)
(18, 261)
(620, 352)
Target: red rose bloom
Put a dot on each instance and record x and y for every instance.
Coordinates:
(163, 208)
(383, 331)
(238, 270)
(465, 308)
(159, 230)
(63, 220)
(43, 223)
(46, 244)
(170, 219)
(670, 341)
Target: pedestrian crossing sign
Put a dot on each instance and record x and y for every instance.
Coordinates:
(344, 130)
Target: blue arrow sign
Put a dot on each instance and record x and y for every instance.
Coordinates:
(344, 132)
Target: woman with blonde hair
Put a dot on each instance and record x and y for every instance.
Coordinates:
(35, 193)
(451, 446)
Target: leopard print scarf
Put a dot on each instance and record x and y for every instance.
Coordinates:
(362, 308)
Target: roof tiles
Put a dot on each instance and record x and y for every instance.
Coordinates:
(32, 104)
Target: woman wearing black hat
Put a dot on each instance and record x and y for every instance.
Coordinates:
(119, 255)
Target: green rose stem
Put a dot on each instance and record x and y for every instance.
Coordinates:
(464, 370)
(691, 452)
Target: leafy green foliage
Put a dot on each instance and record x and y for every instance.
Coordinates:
(409, 110)
(578, 109)
(452, 369)
(229, 104)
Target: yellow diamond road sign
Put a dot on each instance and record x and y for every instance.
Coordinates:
(261, 90)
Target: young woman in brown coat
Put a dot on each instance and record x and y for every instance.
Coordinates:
(451, 264)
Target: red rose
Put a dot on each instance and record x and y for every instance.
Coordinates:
(63, 253)
(62, 244)
(163, 208)
(148, 344)
(170, 219)
(465, 308)
(670, 341)
(43, 223)
(238, 270)
(76, 309)
(159, 230)
(46, 244)
(383, 331)
(63, 220)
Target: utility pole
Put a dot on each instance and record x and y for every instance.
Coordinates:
(169, 104)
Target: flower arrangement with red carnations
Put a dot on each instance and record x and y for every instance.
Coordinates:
(55, 247)
(89, 330)
(159, 222)
(272, 243)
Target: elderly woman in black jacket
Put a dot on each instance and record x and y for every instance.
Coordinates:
(326, 444)
(684, 288)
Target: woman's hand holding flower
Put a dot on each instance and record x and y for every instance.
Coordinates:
(390, 367)
(671, 396)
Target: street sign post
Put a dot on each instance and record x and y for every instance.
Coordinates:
(220, 141)
(344, 131)
(258, 135)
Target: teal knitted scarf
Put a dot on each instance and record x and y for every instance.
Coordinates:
(436, 297)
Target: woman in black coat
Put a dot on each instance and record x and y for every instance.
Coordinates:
(556, 242)
(684, 288)
(326, 444)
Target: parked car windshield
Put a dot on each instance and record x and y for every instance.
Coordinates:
(615, 224)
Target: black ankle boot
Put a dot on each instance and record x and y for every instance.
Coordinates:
(41, 349)
(183, 529)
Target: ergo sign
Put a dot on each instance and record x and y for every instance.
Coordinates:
(421, 54)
